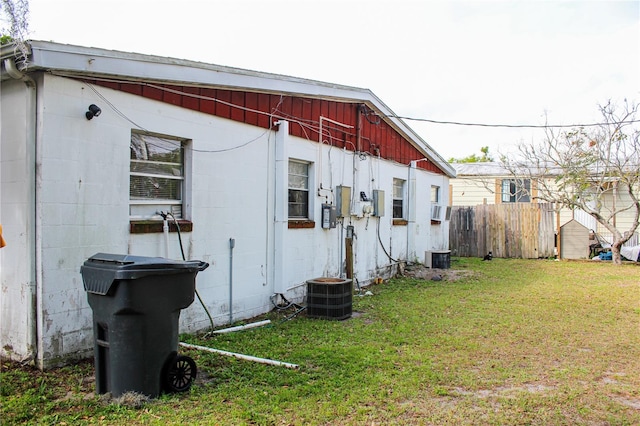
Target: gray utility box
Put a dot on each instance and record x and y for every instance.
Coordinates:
(136, 303)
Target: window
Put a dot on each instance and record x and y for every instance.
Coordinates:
(435, 194)
(516, 190)
(156, 176)
(398, 199)
(298, 190)
(436, 208)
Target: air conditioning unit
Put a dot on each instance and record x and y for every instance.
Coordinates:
(447, 213)
(436, 212)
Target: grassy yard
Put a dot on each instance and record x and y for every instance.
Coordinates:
(506, 342)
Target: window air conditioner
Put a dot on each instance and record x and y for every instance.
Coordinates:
(447, 214)
(435, 212)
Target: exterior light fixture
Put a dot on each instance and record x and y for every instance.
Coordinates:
(94, 111)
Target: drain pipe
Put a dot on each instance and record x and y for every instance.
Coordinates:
(411, 185)
(242, 327)
(165, 232)
(35, 285)
(412, 206)
(232, 244)
(241, 356)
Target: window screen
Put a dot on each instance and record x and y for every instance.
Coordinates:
(398, 198)
(298, 190)
(156, 175)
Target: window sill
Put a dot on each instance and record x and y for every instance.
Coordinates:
(436, 222)
(400, 222)
(299, 224)
(155, 226)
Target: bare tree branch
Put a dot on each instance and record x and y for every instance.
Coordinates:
(17, 14)
(596, 170)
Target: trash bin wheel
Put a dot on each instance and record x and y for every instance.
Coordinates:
(180, 374)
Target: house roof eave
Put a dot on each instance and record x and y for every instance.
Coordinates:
(71, 60)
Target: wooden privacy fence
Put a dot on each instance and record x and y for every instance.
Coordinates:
(512, 230)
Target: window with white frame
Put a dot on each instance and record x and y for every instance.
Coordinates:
(516, 190)
(157, 175)
(298, 189)
(398, 198)
(435, 194)
(436, 208)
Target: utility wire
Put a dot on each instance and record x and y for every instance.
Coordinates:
(512, 126)
(367, 114)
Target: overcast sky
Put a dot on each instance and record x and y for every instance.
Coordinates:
(498, 62)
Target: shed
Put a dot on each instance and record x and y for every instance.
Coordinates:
(574, 240)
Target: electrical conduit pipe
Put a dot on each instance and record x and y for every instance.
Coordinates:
(232, 244)
(241, 356)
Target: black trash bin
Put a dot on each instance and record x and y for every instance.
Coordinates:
(136, 303)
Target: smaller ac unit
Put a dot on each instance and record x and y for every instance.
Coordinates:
(447, 213)
(436, 210)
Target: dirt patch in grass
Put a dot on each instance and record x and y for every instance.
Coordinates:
(629, 402)
(503, 391)
(436, 274)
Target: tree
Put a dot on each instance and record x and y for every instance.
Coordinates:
(594, 168)
(16, 13)
(473, 158)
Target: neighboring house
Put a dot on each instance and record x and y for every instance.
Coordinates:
(489, 183)
(492, 183)
(95, 143)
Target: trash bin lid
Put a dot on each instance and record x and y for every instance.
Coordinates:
(101, 270)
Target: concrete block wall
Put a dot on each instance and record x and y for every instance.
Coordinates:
(82, 208)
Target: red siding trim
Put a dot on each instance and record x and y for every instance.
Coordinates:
(109, 84)
(264, 105)
(237, 98)
(191, 102)
(172, 97)
(222, 108)
(135, 89)
(208, 106)
(377, 136)
(152, 93)
(251, 103)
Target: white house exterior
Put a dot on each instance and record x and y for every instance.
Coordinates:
(71, 187)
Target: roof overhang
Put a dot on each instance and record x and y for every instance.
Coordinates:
(89, 62)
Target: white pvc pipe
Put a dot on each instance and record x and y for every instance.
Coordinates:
(165, 231)
(34, 242)
(242, 327)
(232, 244)
(240, 356)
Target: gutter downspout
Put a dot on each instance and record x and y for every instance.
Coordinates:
(280, 212)
(411, 190)
(232, 244)
(32, 140)
(359, 128)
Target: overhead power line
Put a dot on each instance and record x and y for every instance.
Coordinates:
(512, 126)
(425, 120)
